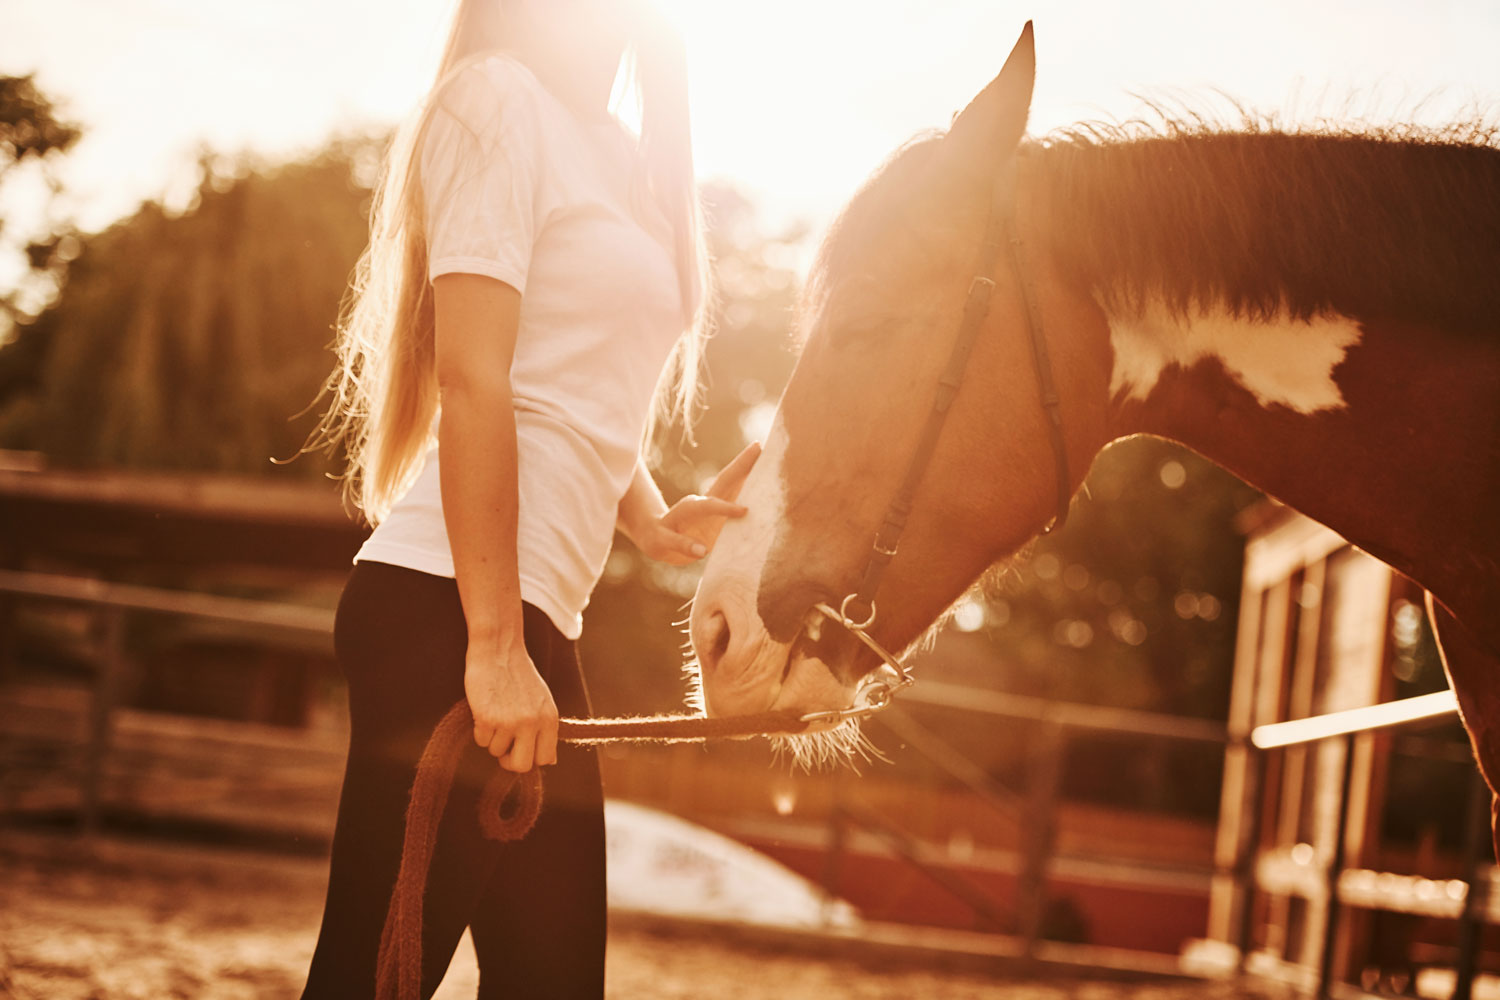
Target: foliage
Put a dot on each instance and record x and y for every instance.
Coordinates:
(188, 341)
(1132, 604)
(29, 126)
(31, 132)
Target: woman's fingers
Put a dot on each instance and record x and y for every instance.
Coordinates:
(515, 718)
(716, 507)
(686, 546)
(499, 743)
(731, 478)
(527, 745)
(690, 528)
(522, 752)
(546, 743)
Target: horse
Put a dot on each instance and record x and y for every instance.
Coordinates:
(1315, 310)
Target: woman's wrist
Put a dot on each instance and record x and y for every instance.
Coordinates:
(635, 521)
(640, 508)
(499, 634)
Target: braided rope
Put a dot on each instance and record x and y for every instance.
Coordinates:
(678, 728)
(508, 808)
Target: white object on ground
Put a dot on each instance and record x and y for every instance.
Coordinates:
(659, 863)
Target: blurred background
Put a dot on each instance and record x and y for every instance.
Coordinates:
(183, 194)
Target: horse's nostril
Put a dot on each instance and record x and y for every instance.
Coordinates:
(714, 642)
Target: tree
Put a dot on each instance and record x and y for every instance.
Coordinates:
(188, 341)
(1133, 603)
(32, 133)
(29, 126)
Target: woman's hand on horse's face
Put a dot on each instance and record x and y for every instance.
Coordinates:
(690, 526)
(514, 715)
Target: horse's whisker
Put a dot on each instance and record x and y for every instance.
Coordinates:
(846, 744)
(693, 678)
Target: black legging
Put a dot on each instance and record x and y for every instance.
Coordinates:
(536, 908)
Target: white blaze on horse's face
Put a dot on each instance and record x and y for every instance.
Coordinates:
(891, 272)
(742, 668)
(1283, 361)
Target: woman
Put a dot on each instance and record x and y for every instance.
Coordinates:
(530, 270)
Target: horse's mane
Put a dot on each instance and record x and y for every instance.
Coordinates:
(1389, 222)
(1393, 222)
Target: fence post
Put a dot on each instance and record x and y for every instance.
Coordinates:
(1045, 766)
(9, 644)
(1476, 900)
(1245, 867)
(107, 679)
(1335, 869)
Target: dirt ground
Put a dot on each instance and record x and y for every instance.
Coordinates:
(121, 920)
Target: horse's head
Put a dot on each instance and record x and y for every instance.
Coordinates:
(879, 317)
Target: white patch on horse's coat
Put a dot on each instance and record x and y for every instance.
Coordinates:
(745, 542)
(731, 575)
(730, 583)
(1283, 361)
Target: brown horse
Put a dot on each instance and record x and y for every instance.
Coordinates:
(1317, 312)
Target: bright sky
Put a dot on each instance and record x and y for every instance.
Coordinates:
(796, 100)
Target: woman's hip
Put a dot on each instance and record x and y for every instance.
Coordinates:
(401, 633)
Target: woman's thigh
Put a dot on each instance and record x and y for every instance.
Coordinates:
(399, 638)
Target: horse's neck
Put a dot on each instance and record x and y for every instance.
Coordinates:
(1389, 435)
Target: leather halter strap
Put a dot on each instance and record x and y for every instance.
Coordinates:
(1000, 232)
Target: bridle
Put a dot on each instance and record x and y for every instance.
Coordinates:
(876, 688)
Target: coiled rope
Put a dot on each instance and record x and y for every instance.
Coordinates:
(508, 808)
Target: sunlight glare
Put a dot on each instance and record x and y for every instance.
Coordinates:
(969, 616)
(771, 83)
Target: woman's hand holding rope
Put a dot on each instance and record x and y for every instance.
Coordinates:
(514, 714)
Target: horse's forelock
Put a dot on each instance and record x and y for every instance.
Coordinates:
(856, 231)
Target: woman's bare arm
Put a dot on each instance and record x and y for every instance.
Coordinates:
(477, 318)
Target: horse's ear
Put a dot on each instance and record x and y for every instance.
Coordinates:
(990, 128)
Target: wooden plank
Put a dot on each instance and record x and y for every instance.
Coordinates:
(1291, 819)
(1075, 716)
(1290, 546)
(243, 775)
(1232, 851)
(241, 498)
(237, 610)
(107, 686)
(1285, 872)
(1271, 684)
(1292, 871)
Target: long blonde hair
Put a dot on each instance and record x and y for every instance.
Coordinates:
(384, 385)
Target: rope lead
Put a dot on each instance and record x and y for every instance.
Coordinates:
(508, 809)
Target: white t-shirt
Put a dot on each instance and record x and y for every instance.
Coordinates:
(535, 196)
